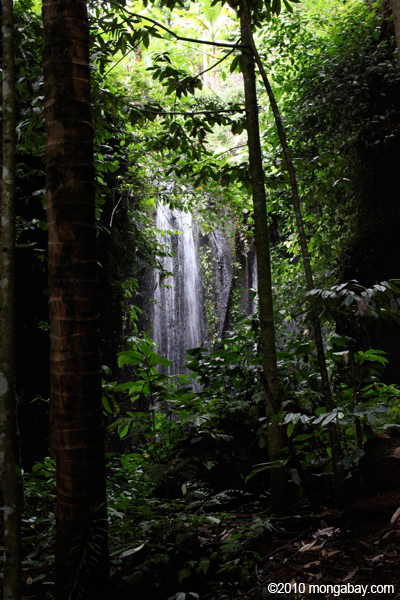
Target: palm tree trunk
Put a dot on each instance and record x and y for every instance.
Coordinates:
(8, 419)
(81, 539)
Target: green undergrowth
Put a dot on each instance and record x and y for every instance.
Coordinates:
(195, 542)
(201, 541)
(187, 461)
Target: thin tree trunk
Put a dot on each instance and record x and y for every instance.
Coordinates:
(395, 4)
(325, 385)
(8, 418)
(357, 422)
(273, 401)
(81, 537)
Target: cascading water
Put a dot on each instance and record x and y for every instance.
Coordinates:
(247, 276)
(164, 291)
(178, 315)
(254, 282)
(191, 284)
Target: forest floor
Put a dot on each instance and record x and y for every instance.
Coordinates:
(325, 561)
(304, 556)
(193, 542)
(346, 555)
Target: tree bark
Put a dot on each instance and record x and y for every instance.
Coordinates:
(81, 540)
(276, 443)
(8, 418)
(395, 4)
(325, 384)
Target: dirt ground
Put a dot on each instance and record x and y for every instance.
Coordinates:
(339, 553)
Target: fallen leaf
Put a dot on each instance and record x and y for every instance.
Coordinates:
(395, 517)
(213, 519)
(329, 531)
(312, 564)
(306, 547)
(396, 452)
(377, 557)
(330, 553)
(350, 575)
(310, 546)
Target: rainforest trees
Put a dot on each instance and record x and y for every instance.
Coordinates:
(8, 452)
(266, 313)
(81, 545)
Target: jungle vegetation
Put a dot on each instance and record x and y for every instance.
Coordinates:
(281, 118)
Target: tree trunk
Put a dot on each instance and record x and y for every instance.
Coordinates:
(81, 538)
(273, 402)
(325, 385)
(395, 4)
(8, 420)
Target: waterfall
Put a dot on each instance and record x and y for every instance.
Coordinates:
(178, 315)
(193, 321)
(254, 282)
(247, 276)
(164, 321)
(179, 319)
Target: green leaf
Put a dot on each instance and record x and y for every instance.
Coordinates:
(276, 7)
(183, 574)
(348, 300)
(130, 357)
(290, 429)
(235, 64)
(203, 566)
(265, 467)
(288, 6)
(130, 551)
(106, 405)
(155, 359)
(146, 40)
(371, 355)
(123, 429)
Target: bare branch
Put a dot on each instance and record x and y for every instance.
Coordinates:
(217, 63)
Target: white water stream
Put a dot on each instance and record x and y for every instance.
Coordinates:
(178, 319)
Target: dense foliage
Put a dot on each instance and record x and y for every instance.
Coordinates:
(188, 471)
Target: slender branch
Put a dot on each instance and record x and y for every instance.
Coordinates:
(126, 20)
(230, 150)
(132, 49)
(191, 114)
(216, 64)
(175, 35)
(115, 206)
(118, 61)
